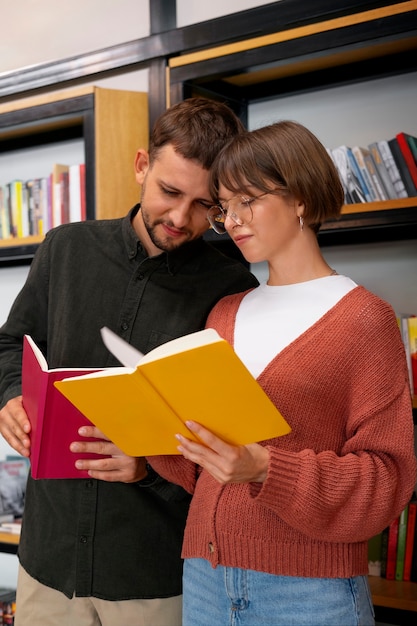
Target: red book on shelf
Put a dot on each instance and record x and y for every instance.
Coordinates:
(408, 155)
(392, 549)
(410, 540)
(54, 420)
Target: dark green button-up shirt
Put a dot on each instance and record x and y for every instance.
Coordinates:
(109, 540)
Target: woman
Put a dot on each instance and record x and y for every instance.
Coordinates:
(277, 531)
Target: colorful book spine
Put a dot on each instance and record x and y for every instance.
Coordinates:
(408, 156)
(412, 340)
(359, 156)
(382, 171)
(392, 549)
(402, 536)
(402, 167)
(392, 169)
(410, 540)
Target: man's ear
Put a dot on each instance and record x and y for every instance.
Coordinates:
(141, 165)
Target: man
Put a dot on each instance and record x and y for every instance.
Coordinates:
(106, 550)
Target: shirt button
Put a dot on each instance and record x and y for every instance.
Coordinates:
(83, 539)
(140, 276)
(124, 326)
(211, 547)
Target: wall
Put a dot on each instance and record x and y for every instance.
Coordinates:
(49, 30)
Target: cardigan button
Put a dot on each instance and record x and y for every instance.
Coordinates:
(211, 547)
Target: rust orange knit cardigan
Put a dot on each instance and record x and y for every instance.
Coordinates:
(343, 473)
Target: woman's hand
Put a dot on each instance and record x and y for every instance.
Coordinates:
(225, 462)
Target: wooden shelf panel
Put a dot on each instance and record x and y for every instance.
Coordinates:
(394, 594)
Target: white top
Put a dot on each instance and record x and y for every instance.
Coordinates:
(271, 317)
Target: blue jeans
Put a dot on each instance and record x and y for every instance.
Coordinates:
(228, 596)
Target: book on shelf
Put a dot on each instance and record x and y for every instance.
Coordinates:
(359, 155)
(34, 190)
(13, 528)
(64, 196)
(392, 168)
(412, 142)
(141, 406)
(13, 477)
(402, 166)
(5, 230)
(57, 170)
(378, 183)
(402, 535)
(410, 539)
(54, 421)
(384, 551)
(348, 172)
(15, 200)
(77, 211)
(382, 171)
(412, 340)
(406, 323)
(391, 563)
(402, 139)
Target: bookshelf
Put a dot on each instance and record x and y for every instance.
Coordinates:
(340, 47)
(110, 124)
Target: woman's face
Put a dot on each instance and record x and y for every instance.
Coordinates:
(274, 226)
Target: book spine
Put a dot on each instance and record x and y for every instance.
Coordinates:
(402, 535)
(392, 549)
(412, 142)
(358, 175)
(404, 329)
(392, 169)
(359, 156)
(409, 542)
(412, 341)
(408, 156)
(384, 551)
(377, 182)
(382, 171)
(402, 167)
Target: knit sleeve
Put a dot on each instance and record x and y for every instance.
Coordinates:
(347, 491)
(176, 469)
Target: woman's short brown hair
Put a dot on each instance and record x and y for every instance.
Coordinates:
(284, 156)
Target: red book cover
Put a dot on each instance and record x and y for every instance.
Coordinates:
(408, 155)
(54, 420)
(410, 540)
(392, 549)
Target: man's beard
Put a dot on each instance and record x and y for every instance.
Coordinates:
(166, 244)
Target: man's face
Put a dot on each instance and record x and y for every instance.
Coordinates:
(175, 198)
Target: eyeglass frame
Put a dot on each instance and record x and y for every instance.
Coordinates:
(224, 213)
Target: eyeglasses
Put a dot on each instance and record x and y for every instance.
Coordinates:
(238, 208)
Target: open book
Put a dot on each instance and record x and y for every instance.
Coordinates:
(54, 420)
(141, 406)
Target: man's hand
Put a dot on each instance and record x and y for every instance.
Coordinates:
(117, 467)
(226, 463)
(15, 426)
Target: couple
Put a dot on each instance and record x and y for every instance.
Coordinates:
(276, 532)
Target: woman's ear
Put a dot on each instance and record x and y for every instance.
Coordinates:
(141, 165)
(299, 208)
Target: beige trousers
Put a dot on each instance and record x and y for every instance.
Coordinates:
(38, 605)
